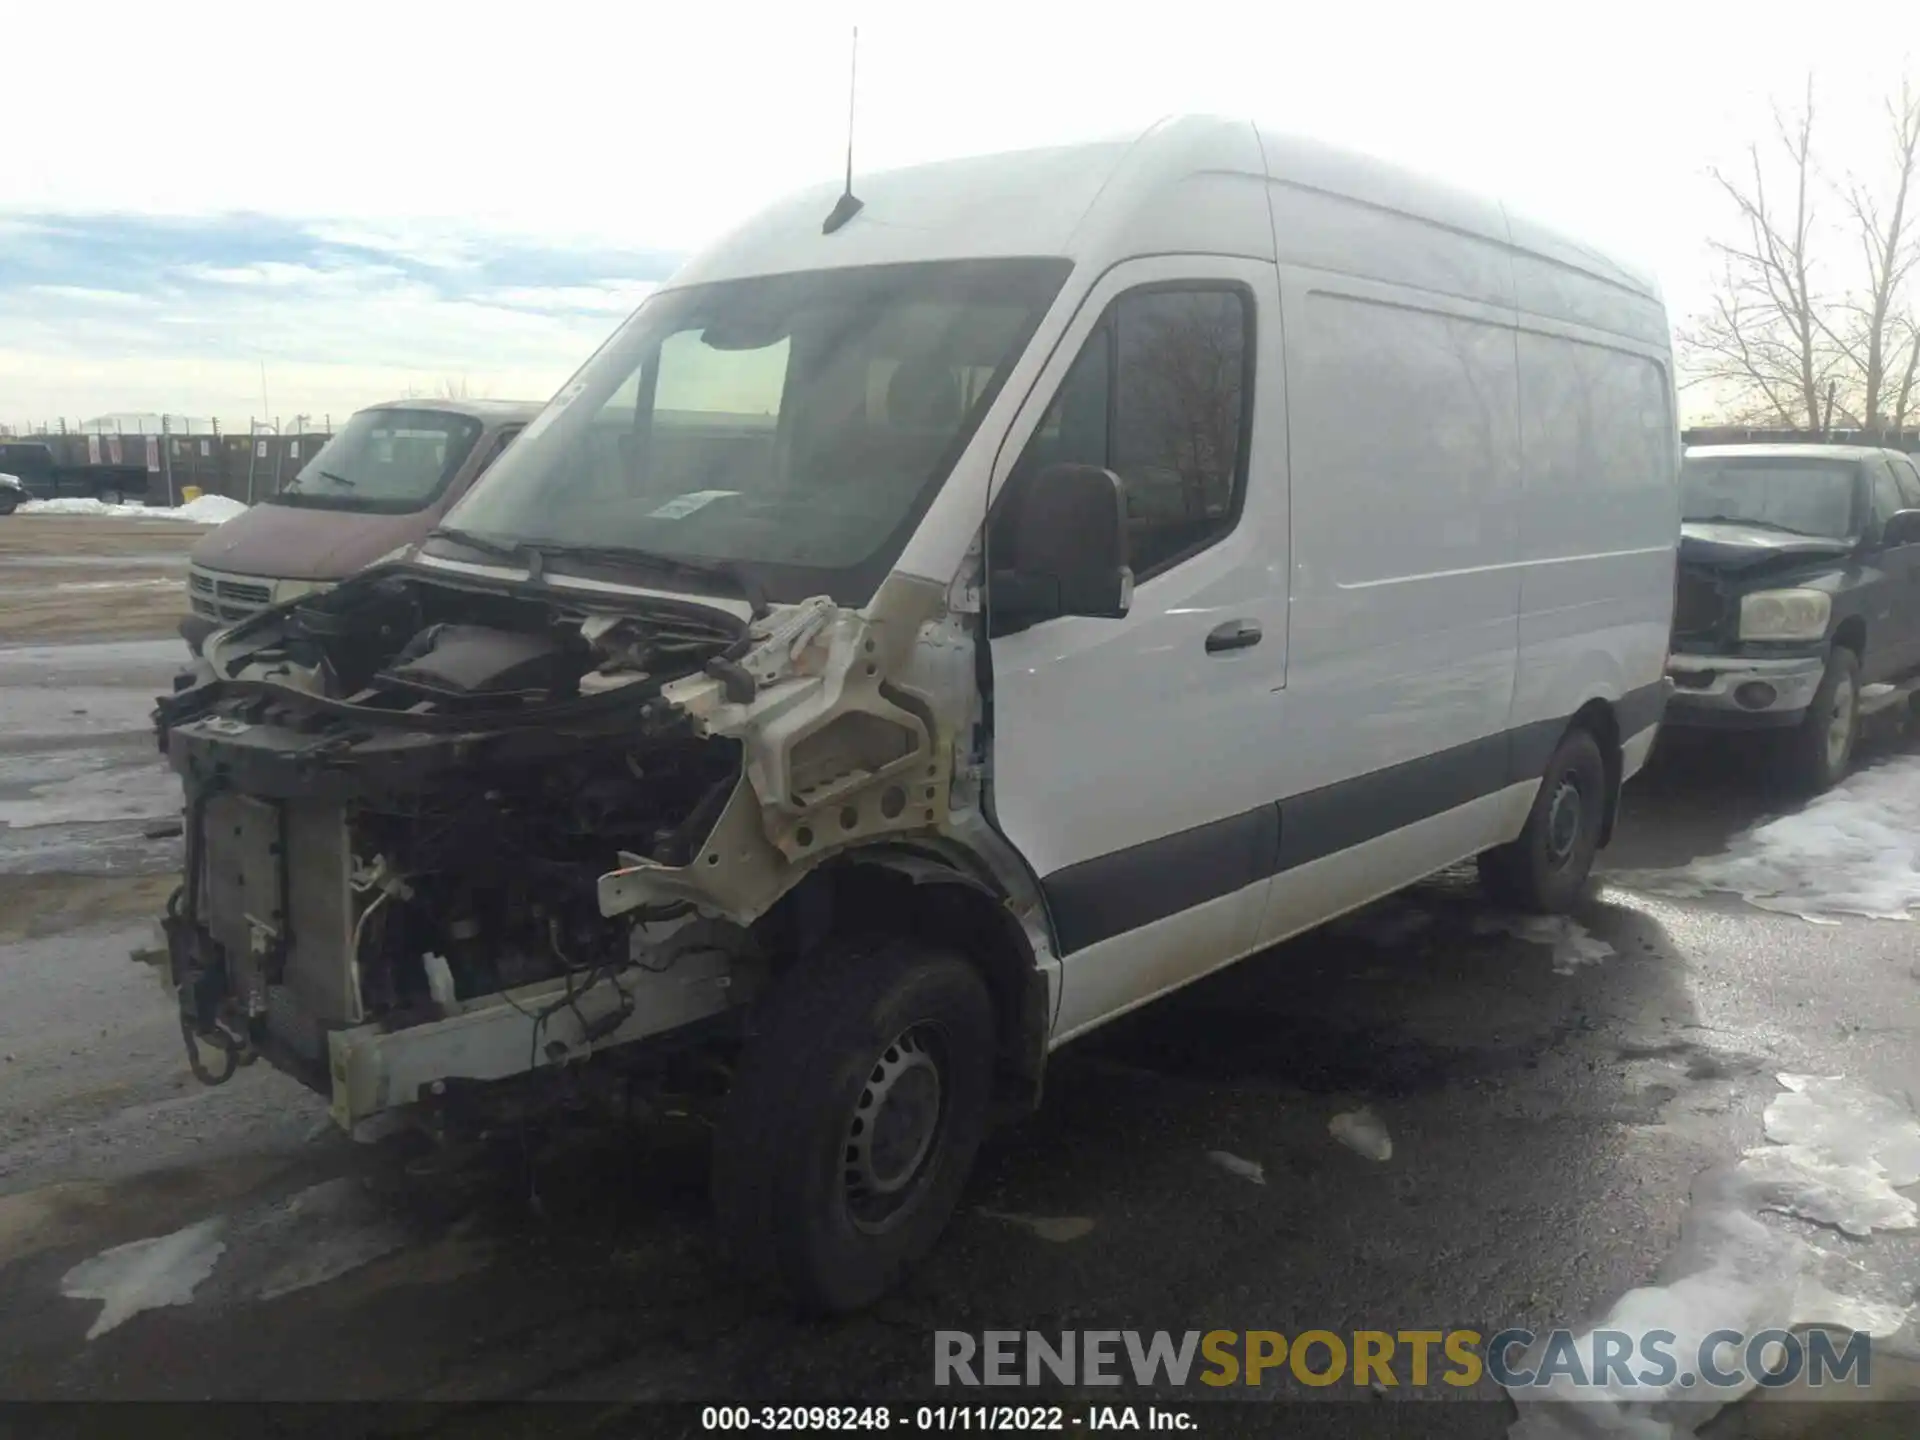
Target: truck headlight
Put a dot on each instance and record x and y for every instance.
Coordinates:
(1785, 614)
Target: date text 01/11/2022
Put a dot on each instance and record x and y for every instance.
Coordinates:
(941, 1418)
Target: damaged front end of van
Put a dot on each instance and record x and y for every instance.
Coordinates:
(444, 831)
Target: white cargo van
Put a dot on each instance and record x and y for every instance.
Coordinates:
(915, 639)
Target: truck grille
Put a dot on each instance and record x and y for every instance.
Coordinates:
(1698, 607)
(219, 598)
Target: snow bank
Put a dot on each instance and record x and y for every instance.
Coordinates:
(1853, 851)
(207, 510)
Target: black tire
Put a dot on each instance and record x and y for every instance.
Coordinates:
(1817, 753)
(8, 504)
(787, 1157)
(112, 495)
(1545, 870)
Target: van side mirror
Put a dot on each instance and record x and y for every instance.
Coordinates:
(1065, 547)
(1902, 528)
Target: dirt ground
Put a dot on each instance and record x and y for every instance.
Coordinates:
(79, 577)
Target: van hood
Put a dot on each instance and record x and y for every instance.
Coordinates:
(296, 542)
(1727, 545)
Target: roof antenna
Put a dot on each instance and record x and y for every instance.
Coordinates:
(849, 204)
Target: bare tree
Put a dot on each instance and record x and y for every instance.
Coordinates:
(1875, 329)
(1763, 342)
(1783, 343)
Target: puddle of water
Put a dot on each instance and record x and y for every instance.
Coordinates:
(145, 1274)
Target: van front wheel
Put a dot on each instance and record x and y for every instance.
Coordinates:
(1546, 869)
(854, 1119)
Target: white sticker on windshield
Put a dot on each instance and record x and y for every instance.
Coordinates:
(688, 503)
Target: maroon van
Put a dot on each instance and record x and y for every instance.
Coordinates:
(380, 484)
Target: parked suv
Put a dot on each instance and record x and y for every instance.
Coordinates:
(379, 485)
(1797, 609)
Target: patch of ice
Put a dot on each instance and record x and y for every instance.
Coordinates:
(1855, 1199)
(83, 787)
(1246, 1169)
(1362, 1132)
(328, 1230)
(1853, 851)
(1573, 944)
(145, 1274)
(1060, 1229)
(1848, 1123)
(207, 510)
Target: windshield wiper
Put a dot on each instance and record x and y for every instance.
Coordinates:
(535, 553)
(732, 573)
(500, 549)
(337, 479)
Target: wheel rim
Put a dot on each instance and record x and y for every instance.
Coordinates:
(1565, 815)
(1840, 724)
(893, 1132)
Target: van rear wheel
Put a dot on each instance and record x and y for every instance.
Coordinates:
(1546, 869)
(854, 1120)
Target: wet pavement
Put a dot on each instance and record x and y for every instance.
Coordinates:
(1561, 1103)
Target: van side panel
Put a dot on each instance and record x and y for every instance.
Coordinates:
(1406, 462)
(1599, 517)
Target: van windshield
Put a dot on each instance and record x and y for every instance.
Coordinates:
(1806, 496)
(384, 461)
(795, 427)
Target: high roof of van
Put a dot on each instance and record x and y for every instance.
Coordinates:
(489, 411)
(1189, 184)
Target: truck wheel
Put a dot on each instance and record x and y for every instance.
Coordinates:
(111, 495)
(854, 1120)
(1546, 869)
(1819, 751)
(8, 504)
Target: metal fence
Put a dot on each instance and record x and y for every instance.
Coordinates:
(179, 453)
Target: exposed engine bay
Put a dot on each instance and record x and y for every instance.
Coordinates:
(445, 828)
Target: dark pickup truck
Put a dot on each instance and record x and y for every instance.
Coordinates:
(1797, 605)
(32, 462)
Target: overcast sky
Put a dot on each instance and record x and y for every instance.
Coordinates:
(366, 198)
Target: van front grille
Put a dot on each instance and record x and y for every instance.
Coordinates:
(217, 597)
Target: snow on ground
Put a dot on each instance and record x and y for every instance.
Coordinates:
(145, 1274)
(1836, 1152)
(1852, 851)
(207, 510)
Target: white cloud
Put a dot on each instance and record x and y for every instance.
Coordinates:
(646, 129)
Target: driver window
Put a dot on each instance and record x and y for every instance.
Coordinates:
(1158, 395)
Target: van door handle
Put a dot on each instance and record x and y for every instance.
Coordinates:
(1234, 635)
